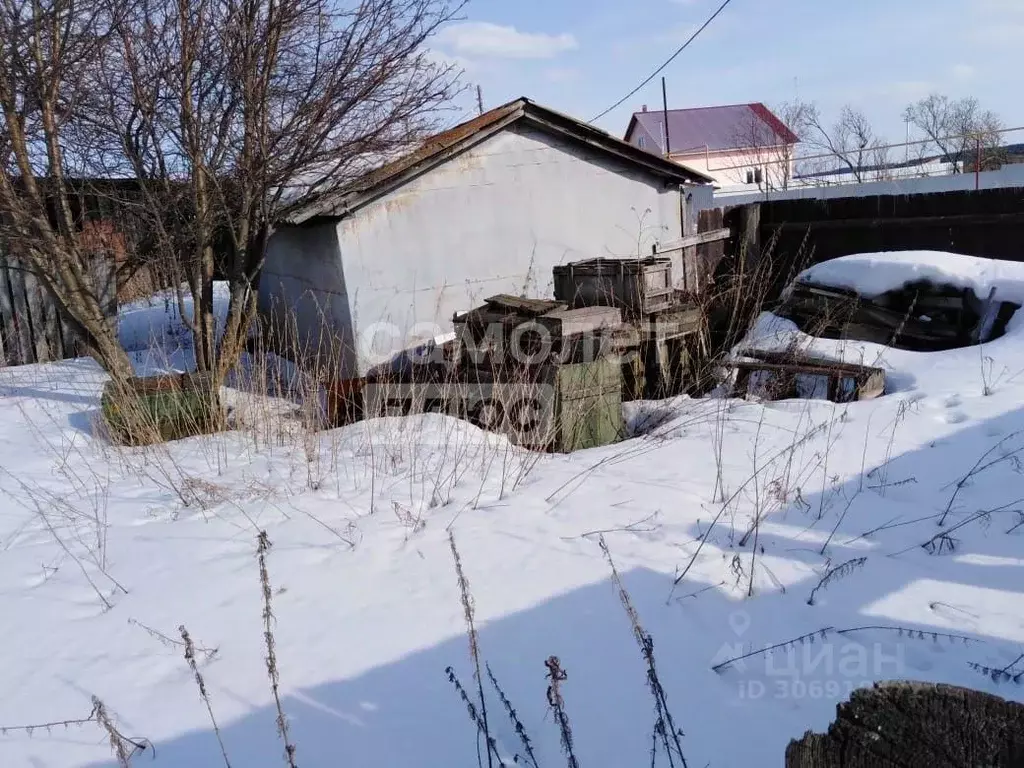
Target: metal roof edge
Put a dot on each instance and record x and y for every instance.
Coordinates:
(334, 207)
(328, 209)
(607, 142)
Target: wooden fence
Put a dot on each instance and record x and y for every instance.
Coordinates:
(32, 329)
(798, 233)
(697, 253)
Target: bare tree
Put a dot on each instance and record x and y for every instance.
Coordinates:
(225, 112)
(957, 128)
(44, 49)
(772, 153)
(850, 139)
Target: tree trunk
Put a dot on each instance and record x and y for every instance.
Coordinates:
(916, 725)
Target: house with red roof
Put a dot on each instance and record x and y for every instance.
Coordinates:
(737, 144)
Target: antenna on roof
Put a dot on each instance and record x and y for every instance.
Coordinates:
(479, 98)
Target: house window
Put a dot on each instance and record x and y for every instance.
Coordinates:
(640, 142)
(750, 177)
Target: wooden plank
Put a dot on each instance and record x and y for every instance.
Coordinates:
(106, 285)
(33, 299)
(750, 237)
(700, 238)
(23, 327)
(8, 332)
(69, 340)
(802, 361)
(51, 324)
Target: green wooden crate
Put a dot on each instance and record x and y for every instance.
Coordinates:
(161, 408)
(588, 405)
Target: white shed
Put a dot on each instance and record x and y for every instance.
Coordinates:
(487, 207)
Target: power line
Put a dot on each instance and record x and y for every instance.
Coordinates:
(668, 61)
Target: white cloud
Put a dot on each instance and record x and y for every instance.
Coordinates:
(482, 38)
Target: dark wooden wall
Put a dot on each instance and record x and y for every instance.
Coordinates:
(32, 329)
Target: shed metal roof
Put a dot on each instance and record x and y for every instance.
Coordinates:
(443, 146)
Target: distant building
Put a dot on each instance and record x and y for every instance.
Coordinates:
(739, 144)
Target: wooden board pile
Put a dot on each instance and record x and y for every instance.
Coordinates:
(784, 375)
(920, 316)
(532, 369)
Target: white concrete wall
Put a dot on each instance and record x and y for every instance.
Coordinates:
(303, 297)
(494, 220)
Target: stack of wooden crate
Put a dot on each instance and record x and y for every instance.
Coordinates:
(532, 369)
(654, 345)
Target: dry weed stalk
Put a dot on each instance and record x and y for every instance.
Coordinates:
(557, 675)
(474, 715)
(208, 653)
(123, 747)
(758, 511)
(520, 729)
(728, 502)
(997, 674)
(840, 571)
(262, 548)
(980, 466)
(36, 497)
(810, 637)
(943, 542)
(664, 724)
(474, 645)
(190, 658)
(860, 488)
(913, 634)
(883, 470)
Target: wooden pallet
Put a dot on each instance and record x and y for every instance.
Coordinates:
(845, 382)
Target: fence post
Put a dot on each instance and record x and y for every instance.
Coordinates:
(750, 235)
(977, 166)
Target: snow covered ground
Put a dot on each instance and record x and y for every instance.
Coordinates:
(105, 552)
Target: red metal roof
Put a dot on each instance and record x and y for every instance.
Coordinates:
(716, 128)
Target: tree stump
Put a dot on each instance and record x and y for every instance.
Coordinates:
(916, 725)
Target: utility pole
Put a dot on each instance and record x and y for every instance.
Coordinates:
(977, 165)
(664, 112)
(479, 99)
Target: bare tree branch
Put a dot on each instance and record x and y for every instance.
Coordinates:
(221, 112)
(955, 127)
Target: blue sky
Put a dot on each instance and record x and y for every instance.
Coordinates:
(581, 56)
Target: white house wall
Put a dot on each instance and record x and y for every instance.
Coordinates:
(495, 219)
(303, 299)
